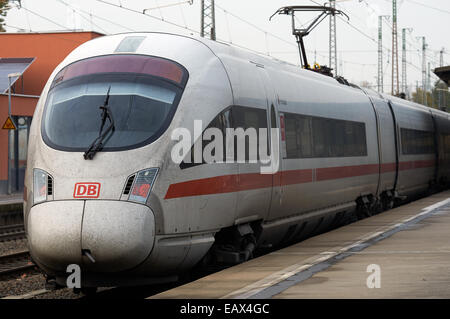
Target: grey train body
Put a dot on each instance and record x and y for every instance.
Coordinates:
(342, 148)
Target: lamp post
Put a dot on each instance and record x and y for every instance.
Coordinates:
(11, 75)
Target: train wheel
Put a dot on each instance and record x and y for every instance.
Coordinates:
(390, 204)
(387, 202)
(364, 208)
(234, 245)
(377, 207)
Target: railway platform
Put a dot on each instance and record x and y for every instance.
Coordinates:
(8, 201)
(10, 208)
(400, 253)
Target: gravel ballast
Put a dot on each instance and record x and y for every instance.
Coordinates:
(13, 246)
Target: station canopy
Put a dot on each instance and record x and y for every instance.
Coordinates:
(12, 66)
(443, 73)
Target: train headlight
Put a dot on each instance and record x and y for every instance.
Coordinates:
(40, 180)
(143, 185)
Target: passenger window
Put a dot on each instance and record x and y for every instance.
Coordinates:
(222, 121)
(304, 137)
(291, 137)
(446, 143)
(248, 117)
(233, 117)
(310, 137)
(320, 135)
(417, 142)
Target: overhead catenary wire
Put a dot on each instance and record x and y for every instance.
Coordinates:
(265, 32)
(65, 28)
(177, 25)
(18, 28)
(172, 23)
(222, 40)
(228, 27)
(182, 16)
(44, 18)
(185, 27)
(149, 16)
(228, 14)
(387, 23)
(79, 12)
(159, 9)
(411, 43)
(255, 26)
(28, 17)
(100, 18)
(414, 43)
(427, 6)
(374, 40)
(352, 26)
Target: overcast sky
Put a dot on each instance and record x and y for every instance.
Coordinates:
(357, 53)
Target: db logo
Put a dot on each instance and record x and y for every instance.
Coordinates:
(86, 190)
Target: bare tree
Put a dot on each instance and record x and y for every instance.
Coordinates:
(4, 7)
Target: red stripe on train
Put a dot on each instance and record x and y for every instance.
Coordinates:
(323, 174)
(236, 183)
(416, 164)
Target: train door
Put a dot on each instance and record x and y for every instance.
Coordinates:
(442, 144)
(388, 148)
(416, 149)
(255, 184)
(274, 138)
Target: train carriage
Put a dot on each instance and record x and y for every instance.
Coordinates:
(104, 192)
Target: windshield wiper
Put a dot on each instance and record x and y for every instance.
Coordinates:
(97, 144)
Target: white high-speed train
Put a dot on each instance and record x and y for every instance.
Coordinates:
(103, 192)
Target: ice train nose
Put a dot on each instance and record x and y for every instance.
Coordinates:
(118, 235)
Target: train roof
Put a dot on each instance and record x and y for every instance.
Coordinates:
(221, 49)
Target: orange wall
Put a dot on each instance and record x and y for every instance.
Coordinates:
(19, 106)
(49, 49)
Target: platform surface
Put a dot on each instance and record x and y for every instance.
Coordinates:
(11, 199)
(405, 251)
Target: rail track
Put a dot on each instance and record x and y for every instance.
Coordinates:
(10, 216)
(16, 262)
(12, 232)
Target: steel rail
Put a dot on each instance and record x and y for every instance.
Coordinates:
(11, 263)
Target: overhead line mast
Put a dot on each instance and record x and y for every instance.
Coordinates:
(395, 78)
(208, 19)
(404, 60)
(333, 43)
(404, 75)
(441, 64)
(380, 53)
(424, 71)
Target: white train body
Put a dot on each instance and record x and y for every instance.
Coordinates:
(168, 230)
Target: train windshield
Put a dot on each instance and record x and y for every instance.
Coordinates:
(143, 96)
